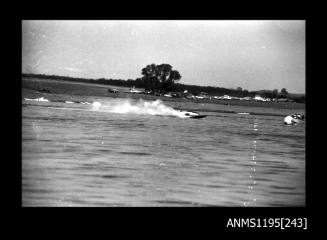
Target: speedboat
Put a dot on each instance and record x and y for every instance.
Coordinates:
(192, 114)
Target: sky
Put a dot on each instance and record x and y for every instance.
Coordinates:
(251, 54)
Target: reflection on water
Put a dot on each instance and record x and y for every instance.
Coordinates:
(76, 156)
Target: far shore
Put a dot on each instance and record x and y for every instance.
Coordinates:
(36, 87)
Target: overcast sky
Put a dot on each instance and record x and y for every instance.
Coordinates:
(253, 55)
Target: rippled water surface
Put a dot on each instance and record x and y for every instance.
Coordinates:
(75, 155)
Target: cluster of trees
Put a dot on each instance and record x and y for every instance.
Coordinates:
(274, 93)
(159, 78)
(163, 78)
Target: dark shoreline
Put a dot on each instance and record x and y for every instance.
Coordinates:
(42, 87)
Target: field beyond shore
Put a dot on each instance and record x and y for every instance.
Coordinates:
(38, 87)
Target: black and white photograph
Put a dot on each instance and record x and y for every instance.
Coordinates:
(163, 113)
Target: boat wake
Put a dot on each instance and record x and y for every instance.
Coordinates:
(126, 106)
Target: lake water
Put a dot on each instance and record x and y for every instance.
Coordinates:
(77, 154)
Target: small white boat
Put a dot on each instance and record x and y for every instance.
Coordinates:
(293, 119)
(134, 90)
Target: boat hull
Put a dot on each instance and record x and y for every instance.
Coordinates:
(198, 116)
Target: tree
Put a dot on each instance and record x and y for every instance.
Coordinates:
(160, 77)
(283, 91)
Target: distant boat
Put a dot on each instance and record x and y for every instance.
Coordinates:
(41, 99)
(133, 90)
(113, 90)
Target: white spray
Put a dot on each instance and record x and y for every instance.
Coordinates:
(125, 106)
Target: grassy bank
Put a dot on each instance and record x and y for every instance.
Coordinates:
(40, 87)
